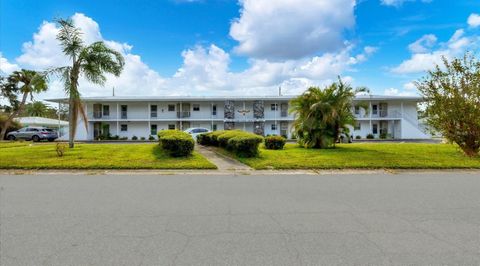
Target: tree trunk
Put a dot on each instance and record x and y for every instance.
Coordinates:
(71, 134)
(9, 120)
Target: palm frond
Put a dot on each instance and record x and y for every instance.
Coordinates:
(70, 38)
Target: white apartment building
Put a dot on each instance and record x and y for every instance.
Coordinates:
(264, 115)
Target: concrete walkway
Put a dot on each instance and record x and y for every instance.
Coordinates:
(221, 161)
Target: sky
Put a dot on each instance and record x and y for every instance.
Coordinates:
(245, 47)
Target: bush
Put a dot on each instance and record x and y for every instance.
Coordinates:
(383, 135)
(134, 138)
(142, 138)
(370, 136)
(176, 143)
(123, 138)
(242, 143)
(60, 148)
(274, 142)
(358, 137)
(151, 137)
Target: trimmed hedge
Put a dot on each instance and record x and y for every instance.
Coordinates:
(176, 143)
(274, 142)
(243, 144)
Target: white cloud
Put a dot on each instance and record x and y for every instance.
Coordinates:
(396, 92)
(409, 86)
(205, 70)
(421, 61)
(398, 3)
(6, 67)
(423, 44)
(291, 29)
(474, 20)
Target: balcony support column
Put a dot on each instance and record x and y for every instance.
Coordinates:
(181, 116)
(118, 126)
(370, 116)
(149, 113)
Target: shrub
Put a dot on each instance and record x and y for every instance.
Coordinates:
(123, 138)
(151, 137)
(176, 143)
(383, 135)
(274, 142)
(116, 137)
(358, 137)
(60, 148)
(242, 143)
(370, 136)
(134, 138)
(142, 138)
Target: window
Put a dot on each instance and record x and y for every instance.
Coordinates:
(171, 107)
(106, 110)
(214, 109)
(375, 129)
(274, 107)
(171, 126)
(357, 126)
(196, 107)
(374, 109)
(32, 130)
(153, 111)
(124, 128)
(357, 110)
(153, 130)
(274, 126)
(214, 127)
(124, 111)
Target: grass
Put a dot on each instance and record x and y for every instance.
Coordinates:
(364, 155)
(28, 155)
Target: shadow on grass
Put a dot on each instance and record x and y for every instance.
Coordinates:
(160, 153)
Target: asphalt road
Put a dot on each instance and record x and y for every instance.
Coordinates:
(340, 219)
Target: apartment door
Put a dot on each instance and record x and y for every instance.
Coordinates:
(383, 109)
(97, 130)
(284, 129)
(97, 111)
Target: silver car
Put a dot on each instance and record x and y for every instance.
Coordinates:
(195, 131)
(33, 133)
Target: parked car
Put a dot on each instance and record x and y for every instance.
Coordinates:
(195, 131)
(33, 133)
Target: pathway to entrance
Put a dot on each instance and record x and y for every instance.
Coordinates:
(221, 161)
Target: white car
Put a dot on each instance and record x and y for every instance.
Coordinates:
(195, 131)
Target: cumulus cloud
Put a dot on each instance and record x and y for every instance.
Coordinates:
(410, 86)
(205, 69)
(423, 44)
(474, 20)
(291, 29)
(6, 67)
(421, 60)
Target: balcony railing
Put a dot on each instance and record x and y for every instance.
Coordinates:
(97, 114)
(183, 114)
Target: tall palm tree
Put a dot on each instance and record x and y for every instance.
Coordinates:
(26, 82)
(37, 108)
(322, 115)
(90, 61)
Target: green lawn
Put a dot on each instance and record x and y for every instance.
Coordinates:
(28, 155)
(364, 155)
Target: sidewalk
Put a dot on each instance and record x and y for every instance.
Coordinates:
(221, 161)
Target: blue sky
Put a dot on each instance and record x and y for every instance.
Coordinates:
(221, 47)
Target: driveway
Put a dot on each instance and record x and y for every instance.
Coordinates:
(417, 218)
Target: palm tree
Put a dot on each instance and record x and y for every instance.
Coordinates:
(90, 61)
(26, 82)
(37, 108)
(323, 115)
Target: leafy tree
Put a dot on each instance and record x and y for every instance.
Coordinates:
(90, 61)
(37, 108)
(323, 115)
(23, 82)
(452, 107)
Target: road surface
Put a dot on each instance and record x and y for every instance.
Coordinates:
(413, 218)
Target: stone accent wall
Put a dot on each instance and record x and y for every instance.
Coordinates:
(229, 111)
(258, 109)
(229, 125)
(259, 128)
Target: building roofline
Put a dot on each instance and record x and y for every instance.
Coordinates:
(220, 98)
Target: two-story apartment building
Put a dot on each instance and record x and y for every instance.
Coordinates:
(267, 115)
